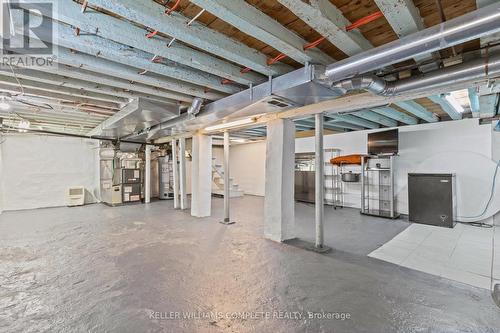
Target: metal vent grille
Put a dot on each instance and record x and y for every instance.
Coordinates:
(279, 103)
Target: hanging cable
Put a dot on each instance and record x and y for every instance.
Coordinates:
(17, 79)
(492, 193)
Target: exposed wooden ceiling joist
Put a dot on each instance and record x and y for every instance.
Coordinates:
(102, 79)
(328, 20)
(61, 81)
(11, 89)
(253, 22)
(125, 55)
(175, 25)
(125, 33)
(21, 83)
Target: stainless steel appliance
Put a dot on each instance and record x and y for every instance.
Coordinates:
(350, 177)
(383, 143)
(304, 177)
(431, 199)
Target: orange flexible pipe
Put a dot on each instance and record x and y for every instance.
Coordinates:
(364, 20)
(173, 8)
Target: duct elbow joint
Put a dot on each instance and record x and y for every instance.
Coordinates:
(373, 84)
(195, 107)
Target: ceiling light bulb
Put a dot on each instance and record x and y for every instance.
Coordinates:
(4, 105)
(23, 126)
(454, 103)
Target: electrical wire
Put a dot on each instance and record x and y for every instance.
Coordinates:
(492, 193)
(17, 79)
(44, 106)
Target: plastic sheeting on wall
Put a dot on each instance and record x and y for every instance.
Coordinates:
(37, 170)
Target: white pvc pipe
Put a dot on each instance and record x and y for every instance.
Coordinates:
(175, 170)
(182, 173)
(227, 190)
(319, 179)
(147, 175)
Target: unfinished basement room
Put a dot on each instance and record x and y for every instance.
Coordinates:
(250, 166)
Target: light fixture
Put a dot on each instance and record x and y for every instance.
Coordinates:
(232, 124)
(4, 106)
(23, 126)
(239, 140)
(454, 103)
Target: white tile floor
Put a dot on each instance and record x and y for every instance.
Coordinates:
(463, 253)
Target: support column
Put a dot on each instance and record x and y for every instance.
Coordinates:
(279, 201)
(147, 175)
(319, 201)
(495, 154)
(201, 176)
(182, 173)
(227, 180)
(175, 170)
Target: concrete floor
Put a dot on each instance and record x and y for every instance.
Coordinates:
(124, 269)
(346, 229)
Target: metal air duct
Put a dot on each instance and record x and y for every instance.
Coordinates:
(475, 70)
(476, 24)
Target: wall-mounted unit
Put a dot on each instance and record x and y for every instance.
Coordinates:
(383, 143)
(76, 196)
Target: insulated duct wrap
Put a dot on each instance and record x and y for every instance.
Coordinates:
(476, 70)
(476, 24)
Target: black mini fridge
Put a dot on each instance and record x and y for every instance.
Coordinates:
(431, 199)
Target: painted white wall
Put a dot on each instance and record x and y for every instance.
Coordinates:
(2, 140)
(248, 167)
(462, 147)
(37, 170)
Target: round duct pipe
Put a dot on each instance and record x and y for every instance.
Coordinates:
(475, 70)
(467, 27)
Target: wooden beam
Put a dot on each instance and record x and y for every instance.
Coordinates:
(197, 35)
(57, 96)
(354, 120)
(418, 111)
(175, 77)
(329, 21)
(402, 15)
(99, 65)
(123, 32)
(376, 118)
(253, 22)
(21, 84)
(117, 83)
(62, 81)
(446, 106)
(396, 115)
(488, 105)
(474, 102)
(404, 19)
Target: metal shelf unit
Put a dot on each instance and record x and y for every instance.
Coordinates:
(334, 191)
(377, 186)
